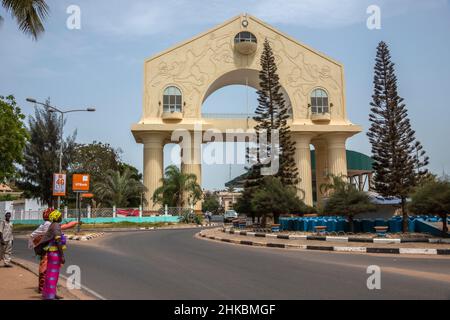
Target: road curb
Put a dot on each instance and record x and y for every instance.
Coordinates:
(375, 250)
(333, 238)
(85, 238)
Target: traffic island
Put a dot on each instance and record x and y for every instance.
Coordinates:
(305, 243)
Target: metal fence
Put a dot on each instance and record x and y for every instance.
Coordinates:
(88, 212)
(173, 211)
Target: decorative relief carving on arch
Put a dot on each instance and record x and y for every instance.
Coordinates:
(197, 64)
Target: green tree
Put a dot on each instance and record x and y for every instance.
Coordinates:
(138, 199)
(116, 188)
(347, 200)
(399, 159)
(243, 204)
(176, 188)
(13, 137)
(211, 203)
(95, 159)
(29, 15)
(134, 171)
(432, 198)
(274, 198)
(41, 155)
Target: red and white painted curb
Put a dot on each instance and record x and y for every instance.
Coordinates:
(415, 251)
(86, 237)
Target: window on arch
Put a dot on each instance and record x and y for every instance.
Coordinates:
(319, 101)
(172, 99)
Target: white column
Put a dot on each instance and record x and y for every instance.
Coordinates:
(337, 156)
(321, 154)
(89, 211)
(153, 165)
(303, 161)
(192, 163)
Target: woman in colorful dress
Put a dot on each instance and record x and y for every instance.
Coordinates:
(54, 244)
(35, 239)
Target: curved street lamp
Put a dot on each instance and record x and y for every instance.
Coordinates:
(55, 109)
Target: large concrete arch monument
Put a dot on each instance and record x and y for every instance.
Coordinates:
(177, 82)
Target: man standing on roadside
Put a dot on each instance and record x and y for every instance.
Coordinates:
(6, 240)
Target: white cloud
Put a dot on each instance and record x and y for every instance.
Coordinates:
(144, 18)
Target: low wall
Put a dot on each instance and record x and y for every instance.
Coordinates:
(155, 219)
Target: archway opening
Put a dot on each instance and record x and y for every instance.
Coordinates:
(235, 94)
(231, 96)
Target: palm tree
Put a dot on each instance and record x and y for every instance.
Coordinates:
(333, 183)
(346, 199)
(29, 15)
(177, 187)
(118, 189)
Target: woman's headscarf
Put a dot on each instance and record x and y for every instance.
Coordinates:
(46, 213)
(55, 215)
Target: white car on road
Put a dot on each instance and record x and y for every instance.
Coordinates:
(230, 215)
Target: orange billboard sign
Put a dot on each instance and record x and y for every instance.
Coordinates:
(80, 182)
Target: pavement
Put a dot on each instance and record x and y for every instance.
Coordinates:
(174, 264)
(20, 283)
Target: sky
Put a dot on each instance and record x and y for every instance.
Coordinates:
(101, 64)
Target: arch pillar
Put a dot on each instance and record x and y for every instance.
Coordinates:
(337, 155)
(321, 154)
(153, 164)
(303, 160)
(191, 161)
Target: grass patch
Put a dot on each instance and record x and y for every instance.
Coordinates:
(109, 225)
(125, 224)
(24, 227)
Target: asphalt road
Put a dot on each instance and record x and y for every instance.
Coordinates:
(173, 264)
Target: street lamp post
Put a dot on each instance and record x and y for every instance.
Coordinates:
(54, 109)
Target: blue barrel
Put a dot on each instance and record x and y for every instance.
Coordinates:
(340, 225)
(411, 225)
(381, 223)
(310, 226)
(299, 224)
(366, 226)
(357, 226)
(395, 225)
(331, 225)
(284, 223)
(290, 224)
(303, 224)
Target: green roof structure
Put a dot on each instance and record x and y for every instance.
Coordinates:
(357, 163)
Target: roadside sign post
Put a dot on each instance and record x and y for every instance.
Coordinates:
(59, 185)
(80, 184)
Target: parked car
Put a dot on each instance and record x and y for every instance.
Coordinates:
(230, 215)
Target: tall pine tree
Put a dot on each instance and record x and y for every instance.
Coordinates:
(399, 159)
(272, 114)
